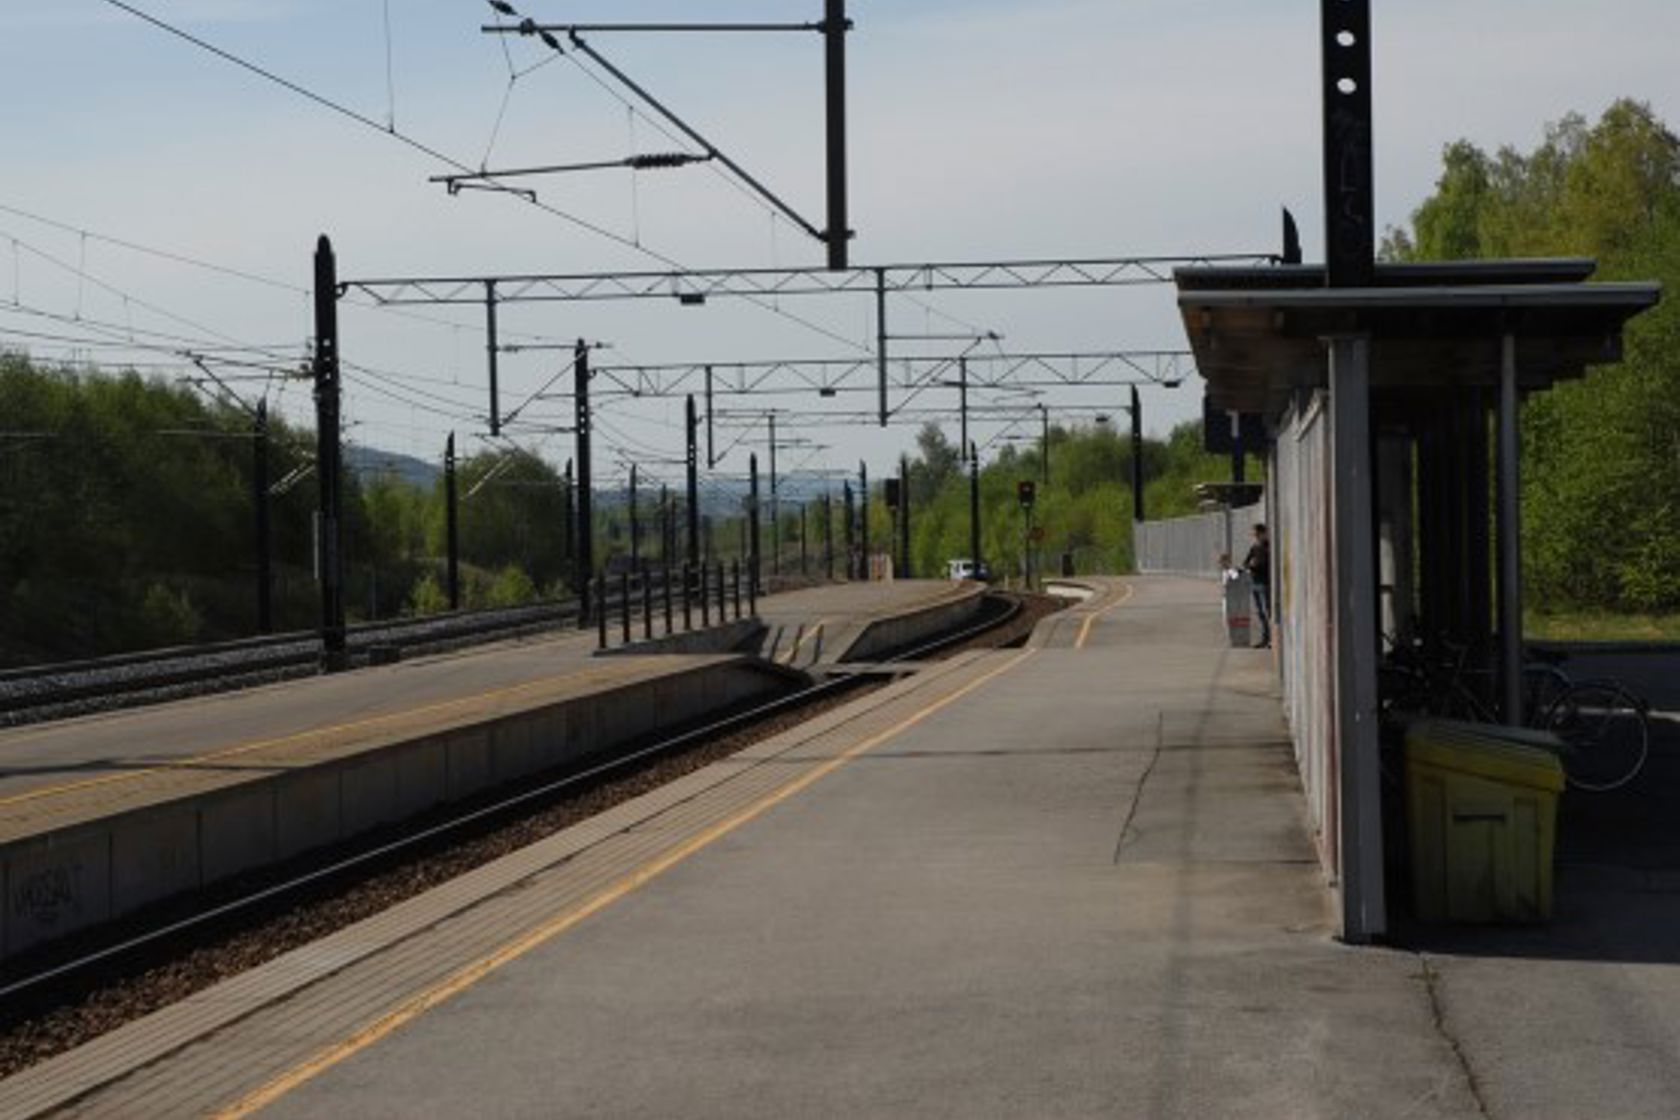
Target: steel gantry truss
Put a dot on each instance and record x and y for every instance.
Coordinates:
(696, 287)
(829, 377)
(700, 285)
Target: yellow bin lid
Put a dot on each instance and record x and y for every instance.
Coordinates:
(1514, 755)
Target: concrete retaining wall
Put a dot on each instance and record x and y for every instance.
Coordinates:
(887, 634)
(61, 882)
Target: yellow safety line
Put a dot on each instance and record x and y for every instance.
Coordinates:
(261, 744)
(472, 973)
(1085, 630)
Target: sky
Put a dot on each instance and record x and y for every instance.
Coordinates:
(980, 130)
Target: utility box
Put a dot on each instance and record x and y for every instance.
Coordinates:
(1481, 806)
(1239, 608)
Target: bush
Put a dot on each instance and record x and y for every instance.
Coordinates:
(168, 616)
(428, 597)
(511, 588)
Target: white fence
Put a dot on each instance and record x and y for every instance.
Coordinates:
(1192, 546)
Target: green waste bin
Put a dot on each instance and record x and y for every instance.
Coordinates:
(1481, 805)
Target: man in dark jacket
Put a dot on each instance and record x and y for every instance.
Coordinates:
(1259, 566)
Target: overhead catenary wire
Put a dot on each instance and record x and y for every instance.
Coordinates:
(434, 153)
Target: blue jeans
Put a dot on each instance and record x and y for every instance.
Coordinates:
(1263, 608)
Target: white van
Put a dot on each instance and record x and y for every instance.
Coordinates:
(967, 569)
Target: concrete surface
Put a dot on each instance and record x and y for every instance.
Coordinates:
(1070, 881)
(1084, 891)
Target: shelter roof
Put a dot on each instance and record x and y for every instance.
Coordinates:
(1258, 334)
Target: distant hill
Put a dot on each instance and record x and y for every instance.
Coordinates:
(371, 462)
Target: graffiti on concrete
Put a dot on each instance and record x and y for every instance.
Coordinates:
(49, 895)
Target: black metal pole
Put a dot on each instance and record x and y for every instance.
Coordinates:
(635, 526)
(623, 603)
(334, 656)
(962, 397)
(693, 487)
(1044, 419)
(835, 26)
(735, 585)
(828, 537)
(711, 447)
(259, 508)
(754, 573)
(849, 507)
(451, 525)
(647, 607)
(568, 530)
(775, 506)
(597, 591)
(665, 532)
(863, 521)
(705, 598)
(1137, 456)
(881, 340)
(585, 550)
(1350, 235)
(492, 353)
(668, 619)
(974, 507)
(722, 593)
(688, 596)
(904, 516)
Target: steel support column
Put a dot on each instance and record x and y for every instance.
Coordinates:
(835, 26)
(1510, 535)
(1364, 914)
(328, 390)
(1137, 456)
(260, 508)
(693, 464)
(863, 521)
(452, 525)
(492, 352)
(584, 561)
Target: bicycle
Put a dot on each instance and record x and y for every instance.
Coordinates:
(1604, 726)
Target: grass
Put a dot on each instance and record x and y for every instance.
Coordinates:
(1588, 625)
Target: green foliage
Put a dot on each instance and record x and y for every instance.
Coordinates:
(1601, 457)
(512, 587)
(126, 521)
(428, 596)
(1084, 509)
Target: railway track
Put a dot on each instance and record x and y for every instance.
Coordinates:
(37, 693)
(93, 986)
(54, 691)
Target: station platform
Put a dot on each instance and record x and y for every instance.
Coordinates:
(1070, 880)
(104, 814)
(821, 627)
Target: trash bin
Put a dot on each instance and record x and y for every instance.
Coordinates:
(1481, 806)
(1239, 607)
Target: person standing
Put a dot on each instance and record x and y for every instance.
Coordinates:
(1258, 563)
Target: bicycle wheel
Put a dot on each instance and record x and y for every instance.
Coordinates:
(1604, 732)
(1543, 684)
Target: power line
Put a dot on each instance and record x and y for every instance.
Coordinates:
(427, 150)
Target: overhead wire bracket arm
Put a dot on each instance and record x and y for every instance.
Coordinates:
(484, 180)
(531, 27)
(710, 149)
